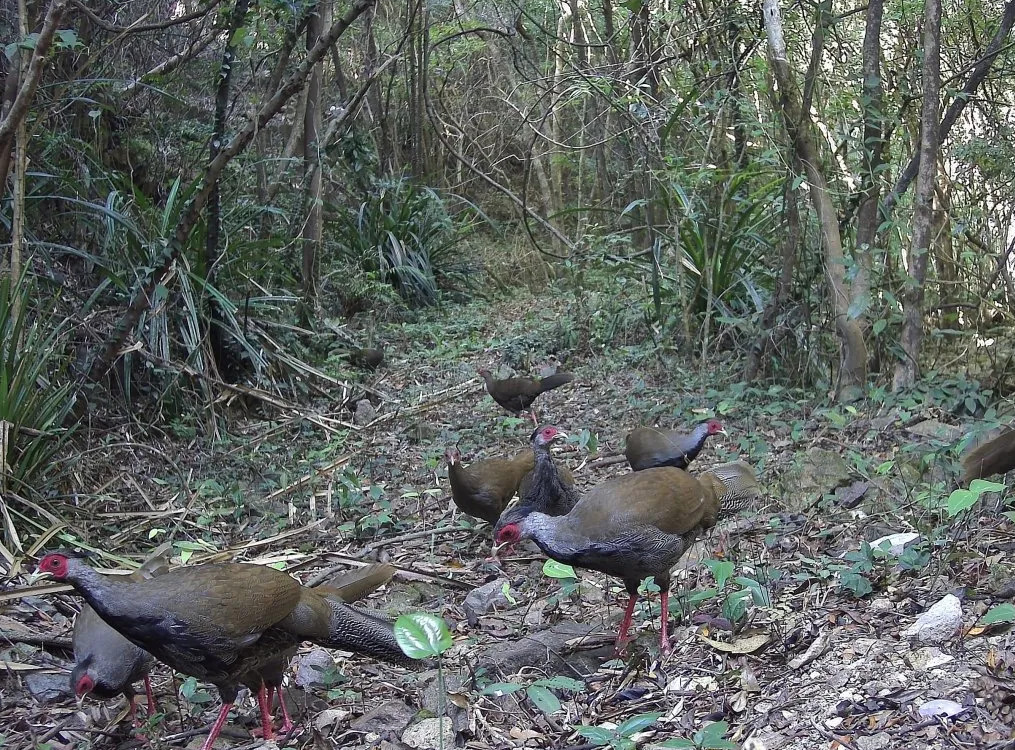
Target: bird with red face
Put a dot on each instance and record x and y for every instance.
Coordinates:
(650, 447)
(105, 663)
(547, 489)
(637, 525)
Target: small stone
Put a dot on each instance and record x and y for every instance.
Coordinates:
(874, 741)
(365, 412)
(329, 718)
(932, 428)
(939, 623)
(427, 734)
(940, 707)
(487, 597)
(311, 667)
(897, 542)
(881, 605)
(46, 687)
(393, 716)
(926, 658)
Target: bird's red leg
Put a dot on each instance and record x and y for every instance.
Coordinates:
(664, 641)
(535, 419)
(264, 703)
(287, 720)
(626, 623)
(151, 696)
(217, 726)
(133, 710)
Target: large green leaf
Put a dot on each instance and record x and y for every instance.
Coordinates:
(421, 635)
(1000, 613)
(637, 723)
(543, 699)
(554, 569)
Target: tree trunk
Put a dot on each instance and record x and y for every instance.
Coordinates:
(853, 371)
(213, 244)
(872, 149)
(907, 368)
(313, 225)
(976, 77)
(27, 84)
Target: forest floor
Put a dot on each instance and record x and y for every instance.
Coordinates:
(792, 638)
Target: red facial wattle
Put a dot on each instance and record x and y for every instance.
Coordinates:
(85, 685)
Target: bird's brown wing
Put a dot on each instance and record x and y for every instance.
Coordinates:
(667, 499)
(514, 394)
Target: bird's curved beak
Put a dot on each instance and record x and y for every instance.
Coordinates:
(38, 575)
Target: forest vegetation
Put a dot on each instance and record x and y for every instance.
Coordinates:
(255, 252)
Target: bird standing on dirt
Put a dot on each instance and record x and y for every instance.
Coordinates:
(105, 663)
(547, 489)
(345, 587)
(638, 525)
(484, 488)
(517, 394)
(225, 622)
(650, 447)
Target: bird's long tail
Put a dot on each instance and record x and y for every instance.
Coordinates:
(355, 584)
(555, 381)
(992, 457)
(735, 485)
(354, 630)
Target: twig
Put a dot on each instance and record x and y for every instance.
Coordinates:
(832, 736)
(33, 639)
(607, 461)
(816, 649)
(412, 535)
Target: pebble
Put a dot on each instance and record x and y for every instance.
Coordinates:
(939, 623)
(365, 412)
(874, 741)
(311, 667)
(487, 597)
(927, 657)
(426, 735)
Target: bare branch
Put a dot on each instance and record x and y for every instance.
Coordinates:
(27, 91)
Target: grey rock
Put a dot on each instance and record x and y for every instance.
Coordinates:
(393, 716)
(310, 667)
(811, 475)
(489, 596)
(927, 657)
(940, 707)
(426, 735)
(365, 412)
(932, 428)
(939, 623)
(439, 703)
(877, 741)
(46, 687)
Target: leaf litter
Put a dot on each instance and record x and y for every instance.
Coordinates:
(811, 656)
